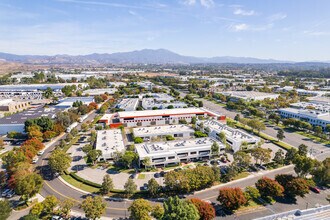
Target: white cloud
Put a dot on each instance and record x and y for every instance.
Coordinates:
(239, 11)
(203, 3)
(277, 17)
(247, 27)
(207, 3)
(189, 2)
(240, 27)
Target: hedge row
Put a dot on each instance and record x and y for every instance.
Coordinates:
(267, 137)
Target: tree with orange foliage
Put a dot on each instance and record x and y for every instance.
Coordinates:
(34, 132)
(231, 198)
(269, 187)
(35, 143)
(206, 210)
(58, 128)
(48, 135)
(93, 105)
(104, 97)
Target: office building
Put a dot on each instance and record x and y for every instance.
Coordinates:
(109, 142)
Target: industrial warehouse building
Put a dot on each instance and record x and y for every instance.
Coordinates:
(156, 117)
(16, 122)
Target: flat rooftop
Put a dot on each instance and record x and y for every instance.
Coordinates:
(249, 94)
(128, 104)
(21, 117)
(109, 141)
(230, 132)
(172, 147)
(308, 113)
(161, 112)
(162, 130)
(32, 87)
(100, 91)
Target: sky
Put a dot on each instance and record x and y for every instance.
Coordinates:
(295, 30)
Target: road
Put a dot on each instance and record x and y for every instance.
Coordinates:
(318, 150)
(119, 209)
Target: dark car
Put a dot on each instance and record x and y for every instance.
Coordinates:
(162, 173)
(157, 175)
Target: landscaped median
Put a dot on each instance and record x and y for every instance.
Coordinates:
(281, 144)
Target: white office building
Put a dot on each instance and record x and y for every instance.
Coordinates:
(148, 133)
(100, 91)
(234, 137)
(109, 142)
(314, 117)
(151, 103)
(174, 152)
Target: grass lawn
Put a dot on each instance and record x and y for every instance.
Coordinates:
(251, 205)
(313, 137)
(79, 185)
(241, 175)
(141, 176)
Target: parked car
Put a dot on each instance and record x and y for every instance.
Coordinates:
(10, 194)
(157, 175)
(41, 152)
(133, 176)
(315, 189)
(56, 217)
(162, 173)
(35, 160)
(5, 192)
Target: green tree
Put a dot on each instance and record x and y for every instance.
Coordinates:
(304, 165)
(140, 210)
(318, 130)
(146, 162)
(68, 137)
(94, 208)
(93, 155)
(177, 209)
(215, 149)
(130, 187)
(280, 134)
(5, 209)
(157, 212)
(37, 209)
(251, 193)
(222, 137)
(49, 204)
(138, 140)
(231, 198)
(128, 158)
(302, 150)
(48, 93)
(290, 155)
(59, 161)
(321, 174)
(107, 185)
(193, 120)
(242, 159)
(65, 207)
(29, 185)
(261, 155)
(153, 187)
(293, 186)
(279, 157)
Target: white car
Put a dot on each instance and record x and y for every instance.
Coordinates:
(41, 152)
(35, 160)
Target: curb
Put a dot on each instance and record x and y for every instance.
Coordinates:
(239, 180)
(73, 187)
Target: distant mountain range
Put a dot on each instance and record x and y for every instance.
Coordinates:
(146, 56)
